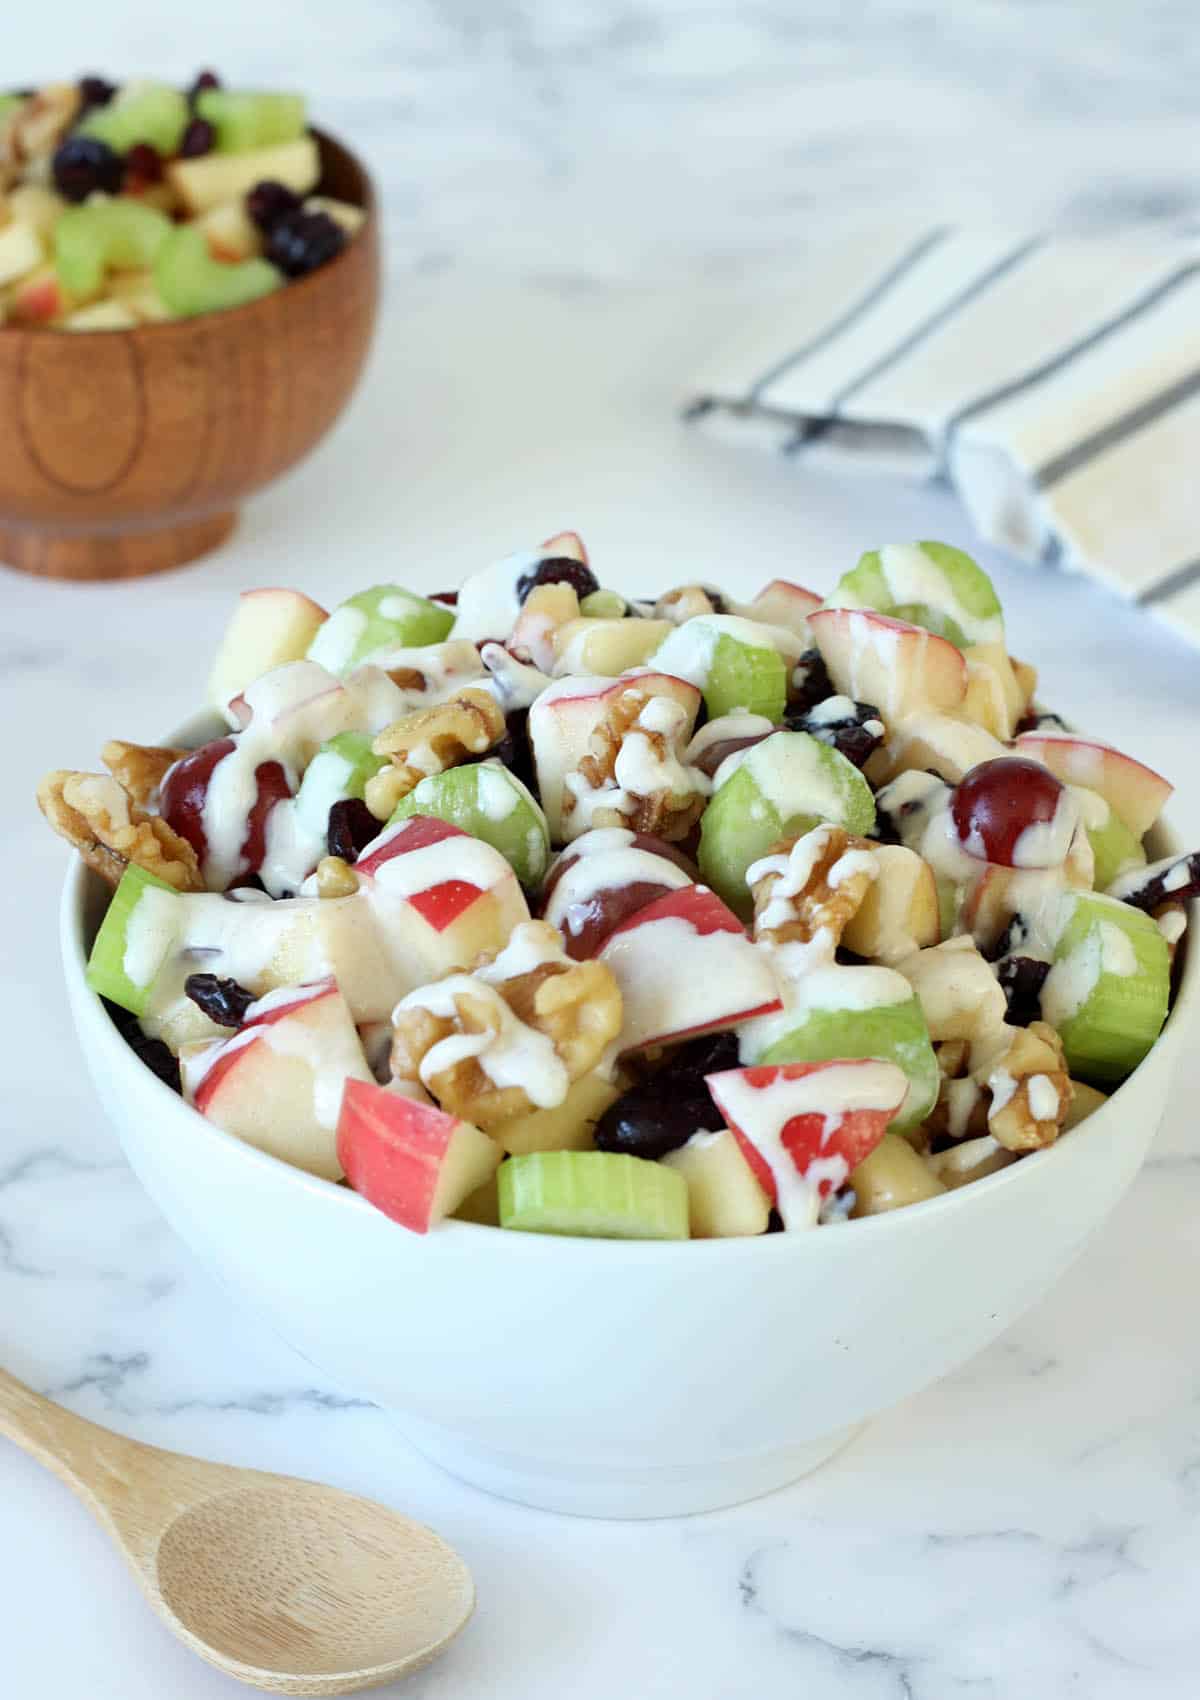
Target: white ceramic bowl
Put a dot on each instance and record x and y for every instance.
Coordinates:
(609, 1378)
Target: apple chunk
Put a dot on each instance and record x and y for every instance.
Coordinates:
(268, 627)
(897, 667)
(782, 603)
(214, 178)
(440, 897)
(411, 1160)
(804, 1126)
(277, 1084)
(1134, 792)
(685, 966)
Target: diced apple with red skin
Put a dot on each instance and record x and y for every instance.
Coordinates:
(411, 1160)
(268, 627)
(566, 544)
(274, 1084)
(1132, 791)
(897, 667)
(561, 723)
(441, 898)
(39, 298)
(782, 603)
(824, 1142)
(302, 705)
(685, 966)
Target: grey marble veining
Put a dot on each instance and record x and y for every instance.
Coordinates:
(1029, 1529)
(658, 138)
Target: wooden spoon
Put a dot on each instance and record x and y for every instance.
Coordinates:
(281, 1583)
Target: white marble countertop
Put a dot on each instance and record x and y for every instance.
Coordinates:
(1026, 1530)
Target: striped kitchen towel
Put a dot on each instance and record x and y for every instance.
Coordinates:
(1054, 381)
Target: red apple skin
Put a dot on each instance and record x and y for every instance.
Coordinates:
(392, 1149)
(854, 1138)
(207, 1089)
(441, 904)
(701, 908)
(1135, 793)
(567, 543)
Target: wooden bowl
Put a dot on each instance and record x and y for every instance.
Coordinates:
(126, 452)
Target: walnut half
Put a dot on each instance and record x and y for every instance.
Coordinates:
(1031, 1090)
(430, 740)
(110, 831)
(552, 1016)
(811, 885)
(633, 773)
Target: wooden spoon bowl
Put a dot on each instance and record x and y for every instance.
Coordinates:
(283, 1584)
(126, 452)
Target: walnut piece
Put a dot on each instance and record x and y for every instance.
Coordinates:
(335, 878)
(817, 884)
(1031, 1090)
(635, 754)
(36, 127)
(575, 1007)
(685, 602)
(110, 831)
(139, 768)
(430, 740)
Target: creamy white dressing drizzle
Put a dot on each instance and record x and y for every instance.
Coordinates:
(510, 1053)
(763, 1112)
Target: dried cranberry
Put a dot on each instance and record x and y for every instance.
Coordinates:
(351, 828)
(1153, 889)
(656, 1117)
(199, 138)
(157, 1057)
(94, 92)
(206, 80)
(811, 683)
(223, 1001)
(300, 242)
(83, 164)
(1021, 979)
(143, 164)
(558, 569)
(849, 735)
(270, 201)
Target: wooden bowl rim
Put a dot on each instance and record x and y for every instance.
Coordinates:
(369, 205)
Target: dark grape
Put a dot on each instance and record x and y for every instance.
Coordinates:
(83, 164)
(300, 242)
(199, 138)
(269, 201)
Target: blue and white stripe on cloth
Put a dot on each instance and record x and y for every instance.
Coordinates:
(1054, 380)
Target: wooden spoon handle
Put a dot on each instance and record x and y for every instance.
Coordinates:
(86, 1457)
